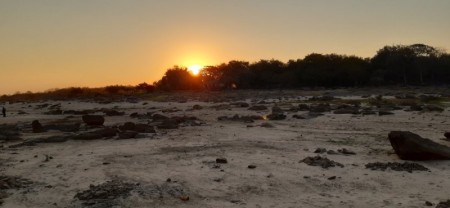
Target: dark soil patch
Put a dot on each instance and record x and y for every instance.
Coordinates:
(406, 166)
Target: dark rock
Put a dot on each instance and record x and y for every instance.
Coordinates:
(221, 160)
(97, 134)
(347, 111)
(427, 203)
(277, 110)
(267, 125)
(245, 119)
(321, 161)
(144, 128)
(128, 134)
(197, 107)
(368, 112)
(276, 116)
(110, 112)
(303, 107)
(383, 113)
(432, 108)
(93, 120)
(322, 98)
(320, 108)
(346, 151)
(241, 104)
(9, 132)
(64, 127)
(309, 115)
(106, 194)
(410, 146)
(54, 112)
(332, 178)
(447, 135)
(159, 117)
(37, 127)
(331, 152)
(258, 108)
(409, 167)
(251, 166)
(443, 204)
(168, 124)
(320, 150)
(128, 126)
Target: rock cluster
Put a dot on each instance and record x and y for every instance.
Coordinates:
(321, 161)
(406, 166)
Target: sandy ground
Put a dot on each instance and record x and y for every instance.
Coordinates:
(187, 156)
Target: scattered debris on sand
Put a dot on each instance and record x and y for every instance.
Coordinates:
(321, 161)
(113, 193)
(406, 166)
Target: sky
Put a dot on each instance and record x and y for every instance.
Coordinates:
(48, 44)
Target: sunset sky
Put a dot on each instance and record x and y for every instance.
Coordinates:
(48, 44)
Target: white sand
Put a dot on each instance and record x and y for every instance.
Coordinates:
(183, 155)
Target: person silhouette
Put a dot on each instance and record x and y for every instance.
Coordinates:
(4, 111)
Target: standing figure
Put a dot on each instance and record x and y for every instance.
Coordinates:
(4, 112)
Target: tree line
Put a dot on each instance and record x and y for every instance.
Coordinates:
(416, 64)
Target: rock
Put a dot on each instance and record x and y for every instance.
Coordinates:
(409, 167)
(128, 126)
(320, 108)
(277, 110)
(93, 120)
(241, 104)
(309, 115)
(320, 150)
(331, 152)
(427, 203)
(110, 112)
(432, 108)
(251, 166)
(447, 135)
(303, 107)
(245, 119)
(52, 139)
(443, 204)
(321, 161)
(346, 151)
(197, 107)
(332, 178)
(267, 125)
(159, 117)
(128, 134)
(184, 198)
(144, 128)
(64, 127)
(383, 113)
(410, 146)
(221, 160)
(9, 132)
(347, 111)
(37, 127)
(97, 134)
(276, 116)
(258, 108)
(168, 124)
(322, 98)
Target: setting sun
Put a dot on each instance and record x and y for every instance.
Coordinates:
(195, 69)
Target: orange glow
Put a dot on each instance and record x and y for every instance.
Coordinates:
(195, 69)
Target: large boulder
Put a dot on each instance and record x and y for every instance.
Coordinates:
(93, 120)
(410, 146)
